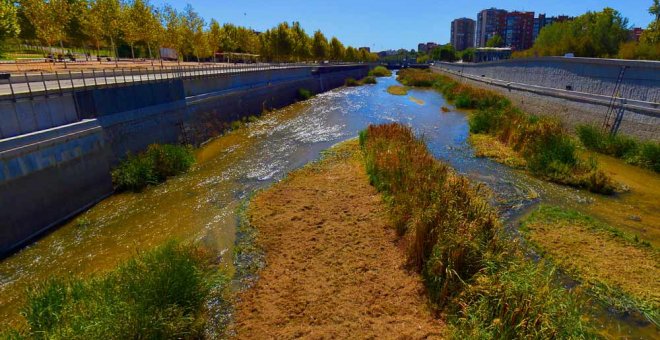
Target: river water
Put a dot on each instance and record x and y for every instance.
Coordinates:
(201, 205)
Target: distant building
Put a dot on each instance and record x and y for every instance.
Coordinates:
(426, 47)
(484, 54)
(542, 21)
(462, 33)
(636, 33)
(490, 22)
(519, 33)
(365, 49)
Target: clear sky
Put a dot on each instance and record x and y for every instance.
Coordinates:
(390, 24)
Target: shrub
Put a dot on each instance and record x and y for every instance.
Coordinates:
(369, 80)
(397, 90)
(304, 94)
(351, 82)
(153, 166)
(158, 294)
(416, 77)
(380, 71)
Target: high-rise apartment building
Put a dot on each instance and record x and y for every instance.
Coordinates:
(463, 33)
(490, 22)
(519, 33)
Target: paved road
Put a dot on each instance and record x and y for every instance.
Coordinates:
(33, 83)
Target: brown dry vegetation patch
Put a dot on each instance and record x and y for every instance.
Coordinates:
(334, 269)
(596, 253)
(489, 146)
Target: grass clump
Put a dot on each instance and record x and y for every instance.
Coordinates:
(368, 80)
(397, 90)
(304, 94)
(380, 71)
(633, 151)
(153, 166)
(453, 238)
(156, 295)
(351, 82)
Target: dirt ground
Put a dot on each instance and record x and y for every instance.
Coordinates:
(333, 266)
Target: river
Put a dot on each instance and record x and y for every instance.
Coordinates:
(201, 205)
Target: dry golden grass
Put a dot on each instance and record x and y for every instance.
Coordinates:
(397, 90)
(489, 146)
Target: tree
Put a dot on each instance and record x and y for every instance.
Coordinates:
(49, 19)
(320, 48)
(351, 54)
(214, 36)
(174, 30)
(302, 49)
(495, 41)
(8, 21)
(337, 49)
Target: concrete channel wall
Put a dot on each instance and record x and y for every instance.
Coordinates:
(641, 79)
(51, 170)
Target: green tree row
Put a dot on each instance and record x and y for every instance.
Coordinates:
(604, 34)
(138, 23)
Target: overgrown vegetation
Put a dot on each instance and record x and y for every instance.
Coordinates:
(453, 238)
(380, 71)
(159, 294)
(397, 90)
(543, 142)
(351, 82)
(620, 272)
(633, 151)
(153, 166)
(368, 80)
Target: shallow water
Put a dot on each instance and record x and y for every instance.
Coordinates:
(201, 205)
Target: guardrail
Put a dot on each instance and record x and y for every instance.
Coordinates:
(21, 85)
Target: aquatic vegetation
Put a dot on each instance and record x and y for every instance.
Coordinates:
(369, 80)
(351, 82)
(153, 166)
(157, 294)
(304, 94)
(380, 71)
(397, 90)
(549, 151)
(620, 270)
(454, 239)
(633, 151)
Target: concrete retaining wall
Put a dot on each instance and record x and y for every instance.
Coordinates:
(641, 79)
(53, 170)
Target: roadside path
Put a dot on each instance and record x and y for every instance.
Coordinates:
(334, 269)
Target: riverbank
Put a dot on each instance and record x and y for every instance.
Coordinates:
(335, 267)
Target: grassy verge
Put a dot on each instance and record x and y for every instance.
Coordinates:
(633, 151)
(397, 90)
(620, 271)
(158, 294)
(454, 239)
(152, 166)
(547, 148)
(380, 71)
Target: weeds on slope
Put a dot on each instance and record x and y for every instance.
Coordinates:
(153, 166)
(549, 151)
(453, 238)
(631, 150)
(160, 294)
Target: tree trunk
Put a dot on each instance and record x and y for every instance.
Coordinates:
(132, 53)
(114, 50)
(63, 56)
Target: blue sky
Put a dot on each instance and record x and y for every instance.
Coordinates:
(389, 24)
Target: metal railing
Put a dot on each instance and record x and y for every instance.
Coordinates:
(21, 85)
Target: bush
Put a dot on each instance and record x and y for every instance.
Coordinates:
(351, 82)
(152, 167)
(380, 71)
(158, 294)
(304, 94)
(369, 80)
(416, 77)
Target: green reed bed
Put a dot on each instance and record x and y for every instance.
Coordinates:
(631, 150)
(454, 239)
(380, 71)
(160, 294)
(550, 152)
(153, 166)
